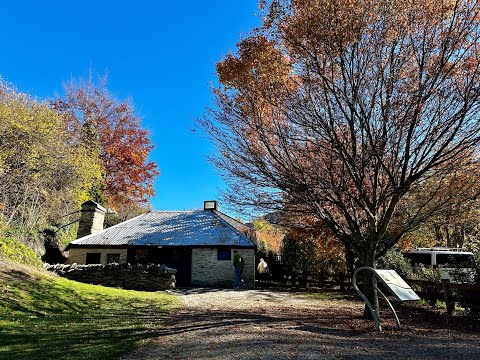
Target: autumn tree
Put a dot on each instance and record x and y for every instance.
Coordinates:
(310, 251)
(456, 223)
(342, 109)
(110, 130)
(269, 237)
(42, 175)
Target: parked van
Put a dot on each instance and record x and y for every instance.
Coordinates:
(454, 264)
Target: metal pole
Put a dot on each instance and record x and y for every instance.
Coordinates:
(391, 306)
(354, 284)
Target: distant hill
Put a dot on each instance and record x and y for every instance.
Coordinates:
(274, 218)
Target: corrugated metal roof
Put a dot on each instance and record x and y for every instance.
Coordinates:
(169, 228)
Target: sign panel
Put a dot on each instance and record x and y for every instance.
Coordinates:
(396, 285)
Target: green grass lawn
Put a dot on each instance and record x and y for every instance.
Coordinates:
(48, 317)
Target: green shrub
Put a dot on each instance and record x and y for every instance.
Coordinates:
(14, 250)
(300, 255)
(395, 260)
(65, 236)
(426, 273)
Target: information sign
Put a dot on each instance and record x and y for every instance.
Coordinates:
(399, 288)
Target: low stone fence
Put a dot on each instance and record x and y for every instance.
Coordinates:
(150, 277)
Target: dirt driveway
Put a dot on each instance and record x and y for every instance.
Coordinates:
(256, 324)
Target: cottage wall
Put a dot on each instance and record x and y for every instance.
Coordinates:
(207, 270)
(79, 255)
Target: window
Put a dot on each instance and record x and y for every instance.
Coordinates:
(92, 258)
(113, 258)
(456, 260)
(141, 256)
(417, 258)
(224, 254)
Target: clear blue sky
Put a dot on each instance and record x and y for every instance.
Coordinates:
(162, 54)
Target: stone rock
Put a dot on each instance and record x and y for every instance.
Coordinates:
(150, 277)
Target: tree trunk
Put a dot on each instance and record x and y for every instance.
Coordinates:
(369, 287)
(462, 236)
(447, 233)
(350, 262)
(455, 236)
(438, 234)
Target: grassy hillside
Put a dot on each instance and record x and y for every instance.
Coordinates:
(48, 317)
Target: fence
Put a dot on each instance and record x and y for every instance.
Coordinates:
(466, 295)
(303, 280)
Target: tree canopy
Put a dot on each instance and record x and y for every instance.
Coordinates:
(55, 155)
(343, 109)
(111, 130)
(43, 174)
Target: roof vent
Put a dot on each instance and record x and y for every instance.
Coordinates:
(210, 205)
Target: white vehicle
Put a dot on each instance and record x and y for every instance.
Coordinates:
(454, 264)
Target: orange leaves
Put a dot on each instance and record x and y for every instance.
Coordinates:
(310, 27)
(258, 65)
(341, 107)
(314, 250)
(257, 79)
(273, 239)
(116, 137)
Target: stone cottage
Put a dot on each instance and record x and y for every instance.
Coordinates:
(198, 243)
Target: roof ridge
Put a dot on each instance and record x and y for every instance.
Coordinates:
(230, 217)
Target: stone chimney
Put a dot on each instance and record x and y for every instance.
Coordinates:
(91, 220)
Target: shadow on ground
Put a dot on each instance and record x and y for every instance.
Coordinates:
(324, 330)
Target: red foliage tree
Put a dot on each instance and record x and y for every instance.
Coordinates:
(113, 132)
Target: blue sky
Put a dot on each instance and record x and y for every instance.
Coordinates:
(161, 54)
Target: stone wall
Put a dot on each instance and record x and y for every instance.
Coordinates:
(138, 277)
(79, 255)
(208, 271)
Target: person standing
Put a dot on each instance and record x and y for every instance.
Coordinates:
(263, 271)
(262, 267)
(238, 264)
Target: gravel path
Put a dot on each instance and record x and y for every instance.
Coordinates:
(257, 324)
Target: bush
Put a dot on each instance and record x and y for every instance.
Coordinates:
(426, 273)
(395, 260)
(14, 250)
(300, 255)
(309, 254)
(65, 236)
